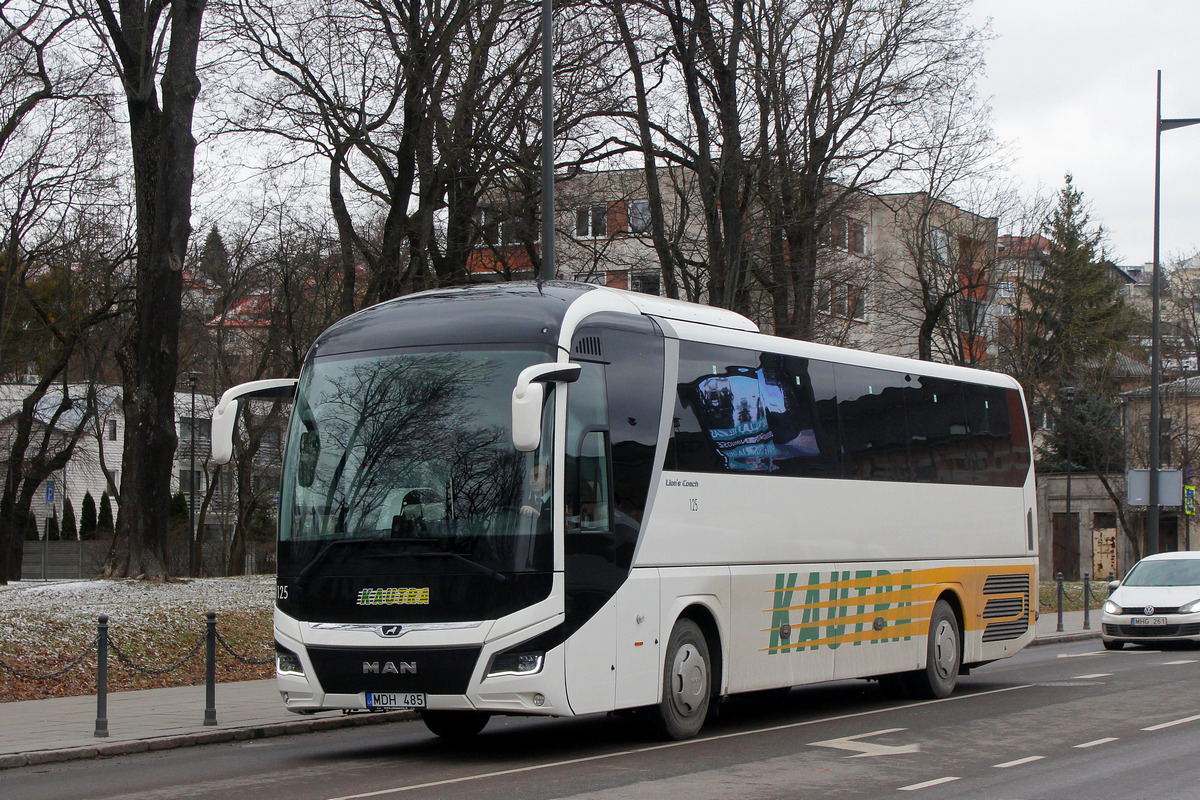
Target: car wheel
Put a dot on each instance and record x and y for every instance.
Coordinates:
(1113, 645)
(687, 683)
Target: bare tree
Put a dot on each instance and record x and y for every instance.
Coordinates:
(153, 44)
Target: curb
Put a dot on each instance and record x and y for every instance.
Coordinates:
(266, 731)
(1058, 638)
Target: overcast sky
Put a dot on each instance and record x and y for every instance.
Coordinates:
(1072, 86)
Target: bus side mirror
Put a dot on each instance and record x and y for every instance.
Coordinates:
(527, 398)
(224, 417)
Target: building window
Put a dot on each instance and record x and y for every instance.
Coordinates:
(112, 430)
(195, 427)
(639, 216)
(591, 221)
(191, 479)
(496, 229)
(939, 243)
(646, 284)
(842, 300)
(850, 235)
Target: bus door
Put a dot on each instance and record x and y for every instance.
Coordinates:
(612, 610)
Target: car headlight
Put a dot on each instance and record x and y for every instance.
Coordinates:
(1112, 608)
(1190, 608)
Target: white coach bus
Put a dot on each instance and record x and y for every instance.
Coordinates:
(562, 499)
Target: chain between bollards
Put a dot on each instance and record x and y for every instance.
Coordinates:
(102, 678)
(1059, 577)
(210, 671)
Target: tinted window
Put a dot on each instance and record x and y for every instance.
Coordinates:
(744, 411)
(937, 431)
(874, 425)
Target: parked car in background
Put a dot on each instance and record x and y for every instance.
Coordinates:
(1159, 601)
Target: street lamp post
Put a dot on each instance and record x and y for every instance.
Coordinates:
(191, 376)
(1068, 395)
(547, 270)
(1155, 330)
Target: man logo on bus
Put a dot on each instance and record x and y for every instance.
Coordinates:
(389, 668)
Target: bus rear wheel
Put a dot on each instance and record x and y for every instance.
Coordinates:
(943, 656)
(687, 683)
(455, 724)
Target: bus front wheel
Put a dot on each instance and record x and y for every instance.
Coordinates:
(455, 724)
(687, 683)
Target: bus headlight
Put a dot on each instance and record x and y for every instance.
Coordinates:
(516, 663)
(287, 662)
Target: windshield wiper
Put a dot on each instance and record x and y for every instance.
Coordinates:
(302, 578)
(475, 565)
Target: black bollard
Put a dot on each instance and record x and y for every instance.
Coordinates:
(102, 678)
(1087, 602)
(210, 671)
(1058, 577)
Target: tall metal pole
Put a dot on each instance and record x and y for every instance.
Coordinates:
(1160, 125)
(1155, 333)
(192, 481)
(547, 270)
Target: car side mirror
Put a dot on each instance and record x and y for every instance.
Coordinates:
(1112, 586)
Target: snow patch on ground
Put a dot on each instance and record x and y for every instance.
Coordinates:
(74, 602)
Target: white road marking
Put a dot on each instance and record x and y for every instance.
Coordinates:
(1175, 663)
(1081, 655)
(1096, 743)
(1018, 762)
(935, 782)
(667, 746)
(1162, 725)
(868, 749)
(1090, 677)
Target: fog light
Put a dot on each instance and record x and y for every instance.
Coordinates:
(539, 699)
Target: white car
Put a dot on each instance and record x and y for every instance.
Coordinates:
(1159, 601)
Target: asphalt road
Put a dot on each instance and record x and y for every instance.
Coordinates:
(1061, 722)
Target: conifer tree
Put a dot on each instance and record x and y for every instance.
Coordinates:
(1073, 321)
(70, 531)
(87, 518)
(104, 519)
(52, 531)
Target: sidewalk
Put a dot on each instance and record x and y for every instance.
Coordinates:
(62, 729)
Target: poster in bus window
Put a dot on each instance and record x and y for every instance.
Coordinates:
(748, 417)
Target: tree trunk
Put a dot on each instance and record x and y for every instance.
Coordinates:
(164, 159)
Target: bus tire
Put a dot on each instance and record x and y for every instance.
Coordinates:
(455, 724)
(943, 655)
(687, 683)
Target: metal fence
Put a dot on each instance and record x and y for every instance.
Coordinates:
(104, 644)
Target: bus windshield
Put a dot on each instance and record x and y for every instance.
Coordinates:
(411, 447)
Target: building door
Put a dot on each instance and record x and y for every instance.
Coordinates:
(1168, 534)
(1104, 547)
(1066, 545)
